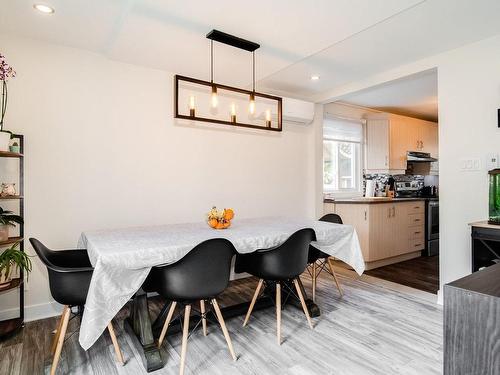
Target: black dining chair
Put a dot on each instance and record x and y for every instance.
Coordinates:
(318, 260)
(280, 264)
(70, 273)
(201, 275)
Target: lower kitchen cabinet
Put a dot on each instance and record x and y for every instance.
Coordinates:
(388, 232)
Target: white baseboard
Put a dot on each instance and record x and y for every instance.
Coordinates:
(34, 312)
(440, 297)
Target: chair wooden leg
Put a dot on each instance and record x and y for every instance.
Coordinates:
(119, 355)
(314, 281)
(60, 340)
(185, 333)
(330, 264)
(58, 331)
(223, 327)
(255, 295)
(203, 319)
(167, 322)
(278, 312)
(302, 302)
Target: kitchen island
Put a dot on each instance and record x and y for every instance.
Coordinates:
(390, 230)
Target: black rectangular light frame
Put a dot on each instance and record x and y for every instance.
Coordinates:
(232, 40)
(229, 88)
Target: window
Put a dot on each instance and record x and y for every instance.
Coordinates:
(342, 141)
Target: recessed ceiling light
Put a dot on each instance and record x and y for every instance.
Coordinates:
(314, 78)
(44, 8)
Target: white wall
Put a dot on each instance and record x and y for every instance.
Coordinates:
(103, 150)
(469, 95)
(348, 111)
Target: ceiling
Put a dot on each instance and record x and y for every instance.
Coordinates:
(340, 40)
(414, 96)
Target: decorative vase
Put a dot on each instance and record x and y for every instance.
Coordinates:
(4, 141)
(15, 149)
(4, 232)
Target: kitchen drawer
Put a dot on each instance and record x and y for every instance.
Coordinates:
(416, 244)
(416, 232)
(416, 208)
(416, 219)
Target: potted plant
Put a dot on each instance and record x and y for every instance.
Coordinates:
(6, 72)
(13, 259)
(15, 148)
(8, 219)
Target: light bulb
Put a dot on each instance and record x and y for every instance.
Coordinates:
(268, 118)
(233, 113)
(251, 106)
(191, 106)
(214, 97)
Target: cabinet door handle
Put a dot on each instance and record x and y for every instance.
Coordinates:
(418, 245)
(388, 212)
(365, 215)
(386, 160)
(418, 232)
(417, 219)
(393, 211)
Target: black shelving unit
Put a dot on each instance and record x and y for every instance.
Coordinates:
(10, 326)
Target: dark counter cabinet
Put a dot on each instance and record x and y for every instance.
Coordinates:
(485, 245)
(472, 324)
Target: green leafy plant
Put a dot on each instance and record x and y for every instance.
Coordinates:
(9, 218)
(14, 258)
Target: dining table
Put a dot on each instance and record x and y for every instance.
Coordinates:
(122, 259)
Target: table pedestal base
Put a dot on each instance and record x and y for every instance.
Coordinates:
(138, 325)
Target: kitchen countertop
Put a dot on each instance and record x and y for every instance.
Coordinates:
(484, 224)
(374, 200)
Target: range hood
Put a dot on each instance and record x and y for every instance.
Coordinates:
(419, 157)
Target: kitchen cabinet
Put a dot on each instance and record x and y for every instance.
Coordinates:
(386, 231)
(389, 137)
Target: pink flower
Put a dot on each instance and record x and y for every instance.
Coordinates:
(6, 71)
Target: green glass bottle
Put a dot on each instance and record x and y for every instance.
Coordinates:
(494, 214)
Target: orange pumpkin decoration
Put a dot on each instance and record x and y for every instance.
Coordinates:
(220, 225)
(213, 223)
(228, 214)
(226, 224)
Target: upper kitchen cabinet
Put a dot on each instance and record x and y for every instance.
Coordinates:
(389, 137)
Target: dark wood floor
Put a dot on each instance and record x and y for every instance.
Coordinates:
(419, 273)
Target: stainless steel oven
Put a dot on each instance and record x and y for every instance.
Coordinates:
(432, 227)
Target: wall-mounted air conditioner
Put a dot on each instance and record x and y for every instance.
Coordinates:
(297, 111)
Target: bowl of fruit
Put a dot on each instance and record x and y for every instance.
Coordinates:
(220, 219)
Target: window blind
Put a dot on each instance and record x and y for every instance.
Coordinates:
(342, 130)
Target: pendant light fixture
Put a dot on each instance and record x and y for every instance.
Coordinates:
(263, 111)
(214, 100)
(251, 106)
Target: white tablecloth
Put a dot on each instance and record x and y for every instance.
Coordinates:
(122, 258)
